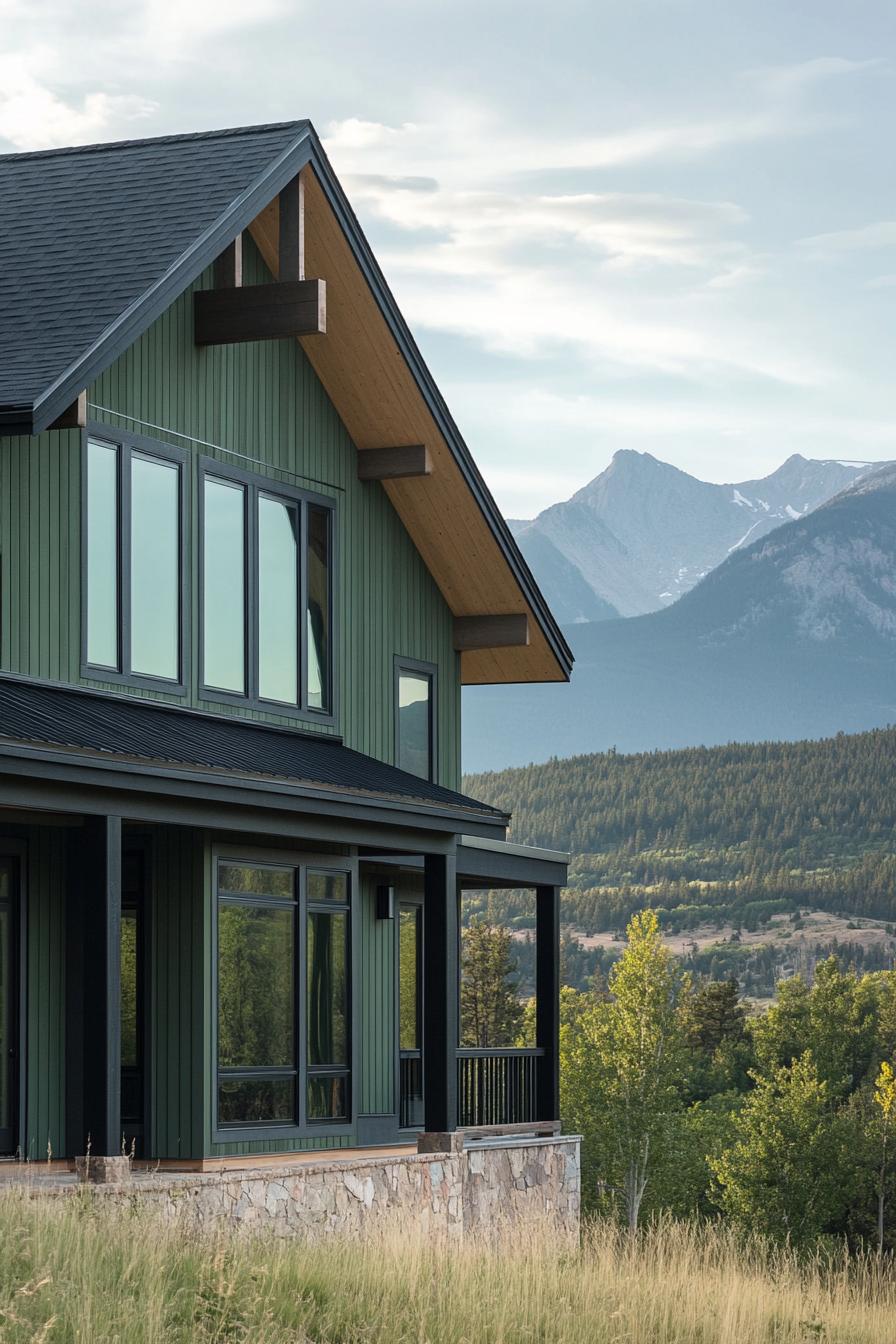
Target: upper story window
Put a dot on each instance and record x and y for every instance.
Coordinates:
(415, 691)
(133, 608)
(266, 592)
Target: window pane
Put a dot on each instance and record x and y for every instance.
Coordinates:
(130, 1055)
(155, 567)
(102, 555)
(318, 552)
(328, 887)
(278, 601)
(224, 587)
(250, 1100)
(328, 1098)
(257, 880)
(414, 720)
(408, 973)
(255, 986)
(327, 988)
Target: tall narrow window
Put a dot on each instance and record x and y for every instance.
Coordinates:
(327, 1008)
(102, 555)
(318, 613)
(278, 600)
(414, 721)
(224, 586)
(133, 545)
(256, 979)
(155, 567)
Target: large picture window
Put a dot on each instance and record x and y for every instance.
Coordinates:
(279, 926)
(266, 560)
(133, 570)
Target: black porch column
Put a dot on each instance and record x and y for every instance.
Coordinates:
(441, 992)
(97, 905)
(547, 999)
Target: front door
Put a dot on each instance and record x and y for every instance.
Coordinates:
(9, 1004)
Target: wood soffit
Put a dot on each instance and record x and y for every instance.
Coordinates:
(369, 381)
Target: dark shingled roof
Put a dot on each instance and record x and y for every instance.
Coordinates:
(123, 728)
(85, 232)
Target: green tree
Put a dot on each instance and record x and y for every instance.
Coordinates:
(884, 1134)
(640, 1061)
(782, 1173)
(490, 1007)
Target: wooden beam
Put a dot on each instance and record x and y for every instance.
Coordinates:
(229, 266)
(260, 312)
(491, 632)
(75, 417)
(292, 230)
(390, 464)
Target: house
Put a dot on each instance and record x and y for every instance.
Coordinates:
(247, 565)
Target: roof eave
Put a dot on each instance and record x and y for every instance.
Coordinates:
(436, 405)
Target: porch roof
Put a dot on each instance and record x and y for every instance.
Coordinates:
(107, 728)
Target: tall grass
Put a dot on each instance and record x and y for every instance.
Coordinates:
(71, 1269)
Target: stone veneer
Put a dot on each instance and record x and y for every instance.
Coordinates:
(447, 1194)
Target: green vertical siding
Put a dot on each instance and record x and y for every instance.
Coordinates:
(261, 400)
(176, 1002)
(376, 979)
(44, 912)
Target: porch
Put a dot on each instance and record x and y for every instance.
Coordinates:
(191, 977)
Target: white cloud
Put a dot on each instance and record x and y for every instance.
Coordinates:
(867, 237)
(790, 81)
(33, 116)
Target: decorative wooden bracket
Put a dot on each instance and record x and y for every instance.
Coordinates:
(292, 306)
(75, 416)
(491, 632)
(392, 464)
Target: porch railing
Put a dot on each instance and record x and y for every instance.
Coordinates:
(410, 1089)
(497, 1087)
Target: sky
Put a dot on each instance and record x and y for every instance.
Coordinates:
(661, 225)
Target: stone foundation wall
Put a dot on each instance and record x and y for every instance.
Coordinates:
(473, 1190)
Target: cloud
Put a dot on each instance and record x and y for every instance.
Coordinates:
(33, 116)
(867, 237)
(792, 81)
(631, 279)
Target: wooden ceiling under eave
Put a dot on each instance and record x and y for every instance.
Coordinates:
(370, 384)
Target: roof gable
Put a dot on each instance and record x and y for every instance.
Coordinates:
(96, 242)
(88, 233)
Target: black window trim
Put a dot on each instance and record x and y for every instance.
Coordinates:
(127, 445)
(300, 1127)
(255, 485)
(417, 667)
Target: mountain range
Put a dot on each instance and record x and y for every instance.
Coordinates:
(791, 636)
(643, 533)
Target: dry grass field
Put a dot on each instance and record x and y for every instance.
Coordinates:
(72, 1272)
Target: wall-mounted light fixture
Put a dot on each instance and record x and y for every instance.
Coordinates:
(385, 902)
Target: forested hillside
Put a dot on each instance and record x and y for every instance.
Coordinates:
(730, 836)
